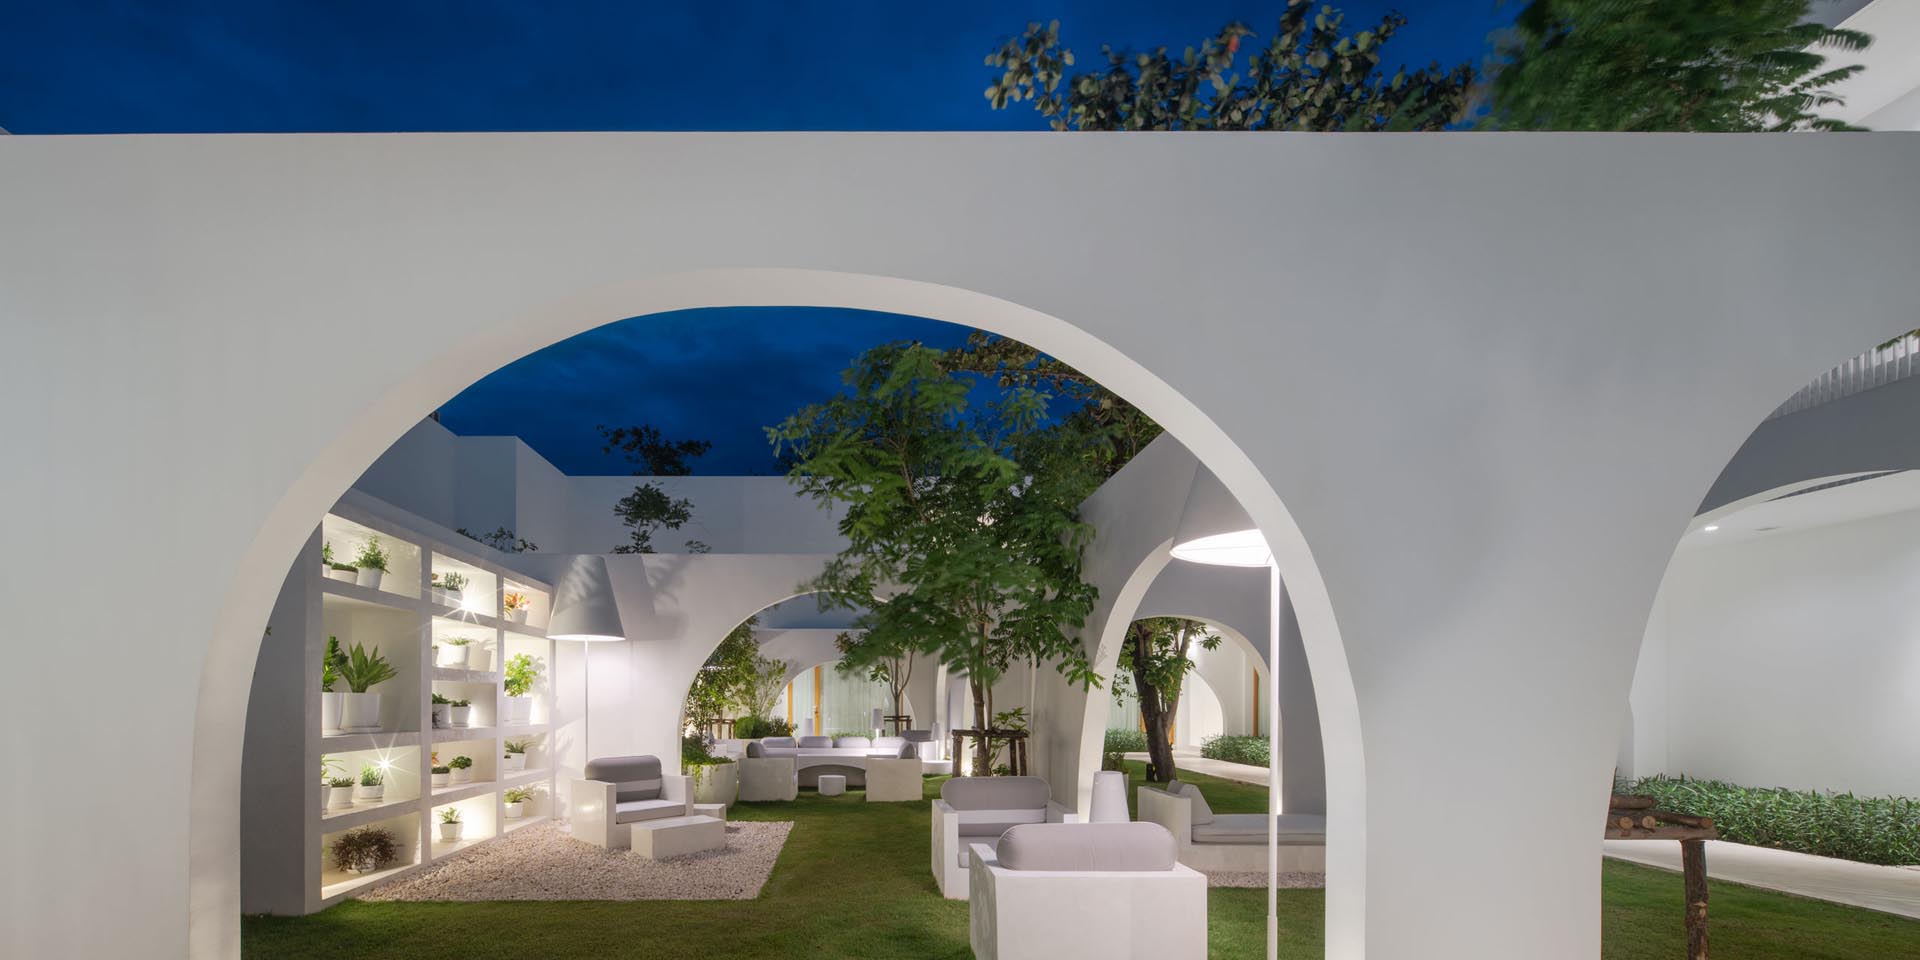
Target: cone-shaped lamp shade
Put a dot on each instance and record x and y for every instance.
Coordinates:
(583, 607)
(1213, 529)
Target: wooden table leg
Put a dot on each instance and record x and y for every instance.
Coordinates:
(1693, 865)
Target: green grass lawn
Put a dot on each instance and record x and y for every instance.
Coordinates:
(854, 881)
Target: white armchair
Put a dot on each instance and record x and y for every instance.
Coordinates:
(1109, 890)
(977, 810)
(619, 792)
(1232, 842)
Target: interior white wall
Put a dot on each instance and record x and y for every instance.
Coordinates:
(1461, 500)
(1788, 659)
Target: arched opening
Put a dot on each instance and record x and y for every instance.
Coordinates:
(224, 682)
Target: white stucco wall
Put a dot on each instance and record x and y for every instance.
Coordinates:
(1471, 525)
(730, 515)
(1789, 659)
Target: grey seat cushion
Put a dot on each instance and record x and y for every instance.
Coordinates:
(853, 742)
(989, 806)
(1251, 828)
(778, 742)
(636, 778)
(814, 742)
(918, 736)
(1200, 812)
(632, 811)
(1131, 847)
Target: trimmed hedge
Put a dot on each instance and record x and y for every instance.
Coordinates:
(1126, 741)
(1883, 830)
(1248, 750)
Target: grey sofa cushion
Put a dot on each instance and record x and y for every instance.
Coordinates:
(1295, 829)
(754, 748)
(806, 742)
(637, 778)
(632, 811)
(1088, 846)
(989, 806)
(1200, 812)
(895, 747)
(778, 742)
(918, 736)
(853, 742)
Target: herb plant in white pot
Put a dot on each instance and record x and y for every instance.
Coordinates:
(442, 712)
(359, 707)
(441, 775)
(370, 564)
(448, 588)
(330, 701)
(455, 652)
(373, 784)
(514, 759)
(517, 605)
(460, 712)
(517, 800)
(522, 671)
(462, 769)
(450, 824)
(339, 793)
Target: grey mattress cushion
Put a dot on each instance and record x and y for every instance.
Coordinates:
(1088, 846)
(806, 742)
(1294, 828)
(995, 793)
(853, 742)
(636, 810)
(778, 742)
(918, 736)
(1200, 812)
(638, 778)
(888, 745)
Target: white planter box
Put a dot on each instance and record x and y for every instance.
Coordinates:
(330, 712)
(360, 712)
(518, 616)
(519, 710)
(440, 779)
(513, 762)
(442, 714)
(516, 810)
(375, 793)
(368, 577)
(715, 783)
(339, 798)
(463, 775)
(455, 654)
(349, 575)
(450, 832)
(480, 658)
(460, 715)
(445, 598)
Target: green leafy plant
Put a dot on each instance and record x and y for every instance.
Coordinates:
(696, 750)
(724, 682)
(649, 509)
(460, 763)
(442, 770)
(1157, 653)
(518, 746)
(1882, 830)
(522, 670)
(371, 556)
(361, 669)
(339, 781)
(450, 581)
(367, 848)
(330, 664)
(450, 815)
(755, 728)
(1120, 742)
(326, 554)
(457, 641)
(519, 795)
(439, 700)
(460, 703)
(1253, 751)
(372, 776)
(328, 766)
(501, 539)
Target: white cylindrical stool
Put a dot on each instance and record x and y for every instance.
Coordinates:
(832, 784)
(1109, 798)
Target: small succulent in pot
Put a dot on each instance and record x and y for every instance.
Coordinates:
(373, 783)
(339, 792)
(450, 825)
(461, 768)
(516, 802)
(460, 712)
(515, 757)
(440, 775)
(448, 587)
(364, 850)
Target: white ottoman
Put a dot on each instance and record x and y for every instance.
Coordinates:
(718, 811)
(833, 784)
(677, 836)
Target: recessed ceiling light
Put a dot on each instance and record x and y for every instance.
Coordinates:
(1711, 527)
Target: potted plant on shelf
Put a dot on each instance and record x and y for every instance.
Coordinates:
(456, 652)
(326, 559)
(329, 768)
(515, 758)
(517, 800)
(517, 605)
(364, 850)
(370, 564)
(339, 793)
(461, 712)
(447, 588)
(373, 784)
(360, 709)
(716, 779)
(440, 775)
(462, 769)
(329, 675)
(441, 712)
(522, 670)
(450, 824)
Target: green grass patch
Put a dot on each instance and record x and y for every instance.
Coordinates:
(853, 881)
(1883, 830)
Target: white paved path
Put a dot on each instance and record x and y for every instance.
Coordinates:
(1213, 768)
(1887, 889)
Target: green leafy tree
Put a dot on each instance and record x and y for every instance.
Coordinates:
(1157, 652)
(966, 519)
(886, 662)
(649, 509)
(763, 687)
(1115, 430)
(1310, 75)
(1699, 65)
(501, 539)
(726, 680)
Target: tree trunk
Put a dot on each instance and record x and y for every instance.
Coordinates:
(982, 713)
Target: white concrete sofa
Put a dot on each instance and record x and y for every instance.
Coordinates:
(1108, 890)
(765, 779)
(1232, 842)
(976, 811)
(620, 791)
(813, 756)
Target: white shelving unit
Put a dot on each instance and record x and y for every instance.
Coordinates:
(287, 829)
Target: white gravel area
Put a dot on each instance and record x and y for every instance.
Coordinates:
(1288, 881)
(541, 862)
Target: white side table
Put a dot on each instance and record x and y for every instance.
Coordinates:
(833, 784)
(1109, 798)
(718, 811)
(677, 836)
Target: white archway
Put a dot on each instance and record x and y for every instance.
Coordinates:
(213, 860)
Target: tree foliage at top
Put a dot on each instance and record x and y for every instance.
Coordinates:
(1112, 429)
(1680, 65)
(964, 520)
(1310, 75)
(651, 453)
(649, 509)
(1157, 653)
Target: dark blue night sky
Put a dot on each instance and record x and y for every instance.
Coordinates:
(150, 66)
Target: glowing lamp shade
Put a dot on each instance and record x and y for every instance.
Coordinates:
(1214, 530)
(583, 607)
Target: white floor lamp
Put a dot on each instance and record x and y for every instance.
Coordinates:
(1215, 530)
(584, 610)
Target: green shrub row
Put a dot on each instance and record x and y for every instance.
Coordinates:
(1241, 749)
(1883, 830)
(1126, 741)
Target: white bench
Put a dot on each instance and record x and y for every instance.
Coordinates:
(677, 836)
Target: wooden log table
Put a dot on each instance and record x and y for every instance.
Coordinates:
(1633, 817)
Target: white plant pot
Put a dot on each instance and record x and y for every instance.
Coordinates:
(325, 794)
(339, 798)
(440, 779)
(513, 762)
(441, 712)
(450, 832)
(455, 654)
(520, 710)
(462, 775)
(360, 712)
(374, 793)
(460, 715)
(444, 598)
(330, 712)
(518, 616)
(479, 658)
(348, 575)
(516, 810)
(716, 783)
(368, 577)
